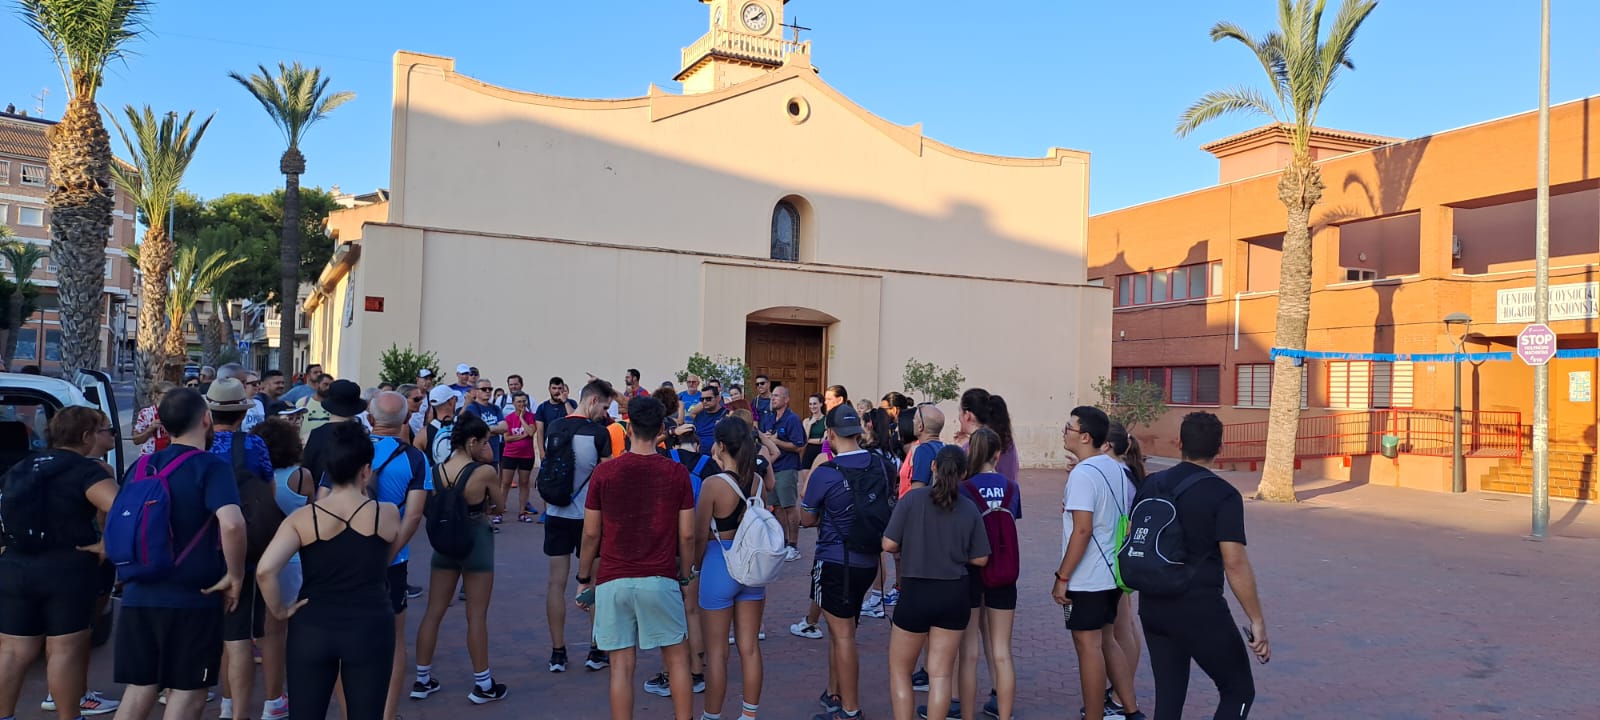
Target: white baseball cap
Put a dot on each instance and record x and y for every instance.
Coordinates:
(440, 395)
(463, 369)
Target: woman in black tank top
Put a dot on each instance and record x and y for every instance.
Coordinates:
(342, 626)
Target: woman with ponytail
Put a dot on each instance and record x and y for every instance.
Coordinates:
(994, 609)
(723, 601)
(938, 535)
(1124, 448)
(981, 409)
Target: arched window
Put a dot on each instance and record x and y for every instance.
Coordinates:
(785, 232)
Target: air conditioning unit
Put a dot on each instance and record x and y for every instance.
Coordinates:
(1359, 274)
(1455, 247)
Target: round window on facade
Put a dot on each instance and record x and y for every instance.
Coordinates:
(797, 109)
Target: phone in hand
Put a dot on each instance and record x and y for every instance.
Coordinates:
(586, 598)
(1250, 637)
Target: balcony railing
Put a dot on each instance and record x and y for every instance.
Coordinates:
(1420, 432)
(739, 46)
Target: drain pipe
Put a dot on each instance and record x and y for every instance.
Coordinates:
(1236, 297)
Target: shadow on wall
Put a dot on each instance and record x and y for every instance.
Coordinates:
(641, 198)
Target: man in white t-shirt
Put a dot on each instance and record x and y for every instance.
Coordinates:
(1097, 495)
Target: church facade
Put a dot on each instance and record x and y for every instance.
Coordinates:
(760, 214)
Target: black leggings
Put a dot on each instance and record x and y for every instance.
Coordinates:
(1198, 628)
(325, 646)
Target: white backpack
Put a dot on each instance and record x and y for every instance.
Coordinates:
(757, 552)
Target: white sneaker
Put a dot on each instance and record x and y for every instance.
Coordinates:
(805, 630)
(227, 710)
(873, 607)
(275, 709)
(791, 554)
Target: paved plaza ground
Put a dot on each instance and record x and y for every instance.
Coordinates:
(1381, 603)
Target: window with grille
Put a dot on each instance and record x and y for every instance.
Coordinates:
(33, 175)
(1181, 385)
(1366, 384)
(785, 232)
(30, 216)
(5, 172)
(1253, 385)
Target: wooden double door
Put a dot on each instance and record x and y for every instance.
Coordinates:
(791, 355)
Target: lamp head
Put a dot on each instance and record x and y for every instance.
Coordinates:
(1457, 318)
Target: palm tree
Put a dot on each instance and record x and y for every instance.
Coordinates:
(192, 278)
(84, 36)
(296, 98)
(1301, 66)
(161, 150)
(24, 258)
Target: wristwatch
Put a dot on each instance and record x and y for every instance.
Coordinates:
(583, 580)
(1059, 579)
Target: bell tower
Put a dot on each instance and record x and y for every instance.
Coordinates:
(745, 40)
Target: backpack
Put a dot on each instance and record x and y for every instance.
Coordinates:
(871, 504)
(439, 441)
(560, 468)
(138, 533)
(1119, 533)
(1004, 549)
(449, 527)
(1153, 559)
(696, 476)
(758, 549)
(258, 502)
(25, 508)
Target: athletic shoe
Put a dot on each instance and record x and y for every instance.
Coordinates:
(211, 697)
(1135, 716)
(992, 708)
(698, 682)
(658, 685)
(805, 630)
(873, 608)
(227, 710)
(791, 554)
(919, 680)
(762, 635)
(48, 704)
(1111, 700)
(420, 691)
(598, 660)
(413, 591)
(830, 703)
(1111, 713)
(954, 713)
(839, 715)
(480, 696)
(892, 598)
(558, 660)
(92, 703)
(270, 710)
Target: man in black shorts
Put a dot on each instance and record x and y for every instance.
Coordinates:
(170, 632)
(563, 524)
(1097, 495)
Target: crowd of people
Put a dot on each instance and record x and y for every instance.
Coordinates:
(271, 525)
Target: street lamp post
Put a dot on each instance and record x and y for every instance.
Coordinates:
(1458, 460)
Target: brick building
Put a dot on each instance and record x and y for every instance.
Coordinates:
(24, 186)
(1407, 233)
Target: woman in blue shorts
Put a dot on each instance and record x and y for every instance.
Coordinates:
(723, 499)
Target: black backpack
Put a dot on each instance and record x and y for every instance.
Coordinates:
(560, 468)
(449, 527)
(258, 502)
(1154, 556)
(871, 504)
(25, 507)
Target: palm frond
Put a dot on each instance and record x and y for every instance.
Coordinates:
(1268, 51)
(161, 150)
(1341, 36)
(192, 277)
(1221, 102)
(296, 97)
(85, 35)
(24, 258)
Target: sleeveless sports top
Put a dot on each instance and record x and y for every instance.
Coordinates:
(348, 570)
(288, 500)
(819, 429)
(729, 522)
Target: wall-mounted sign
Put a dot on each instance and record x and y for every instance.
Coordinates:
(374, 304)
(1575, 301)
(1578, 387)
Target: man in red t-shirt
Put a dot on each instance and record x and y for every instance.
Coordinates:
(639, 522)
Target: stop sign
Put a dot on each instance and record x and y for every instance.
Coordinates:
(1536, 344)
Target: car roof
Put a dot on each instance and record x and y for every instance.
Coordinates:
(64, 391)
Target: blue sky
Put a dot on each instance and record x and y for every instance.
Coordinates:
(1009, 78)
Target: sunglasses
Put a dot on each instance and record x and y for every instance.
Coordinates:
(708, 397)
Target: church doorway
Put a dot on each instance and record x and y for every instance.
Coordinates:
(791, 355)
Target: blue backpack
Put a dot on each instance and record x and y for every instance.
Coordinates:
(696, 473)
(138, 534)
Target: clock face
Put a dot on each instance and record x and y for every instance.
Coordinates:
(756, 17)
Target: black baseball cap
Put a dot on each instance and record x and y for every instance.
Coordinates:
(844, 421)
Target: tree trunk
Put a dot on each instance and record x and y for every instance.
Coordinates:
(208, 349)
(229, 334)
(14, 322)
(80, 203)
(1300, 189)
(292, 165)
(155, 273)
(176, 347)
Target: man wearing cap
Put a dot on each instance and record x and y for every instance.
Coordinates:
(840, 578)
(229, 402)
(435, 438)
(464, 384)
(343, 403)
(316, 414)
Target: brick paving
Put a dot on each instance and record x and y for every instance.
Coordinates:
(1381, 603)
